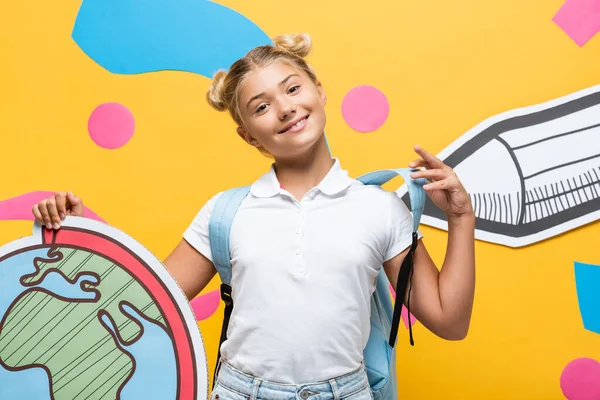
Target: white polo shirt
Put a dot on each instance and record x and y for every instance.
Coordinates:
(303, 274)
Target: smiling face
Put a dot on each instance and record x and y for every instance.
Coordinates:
(283, 110)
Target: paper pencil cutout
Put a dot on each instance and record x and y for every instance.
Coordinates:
(532, 173)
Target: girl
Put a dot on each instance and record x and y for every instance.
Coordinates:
(308, 242)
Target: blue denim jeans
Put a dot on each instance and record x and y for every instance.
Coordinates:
(235, 385)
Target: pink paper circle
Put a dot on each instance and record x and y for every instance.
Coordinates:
(111, 125)
(205, 305)
(404, 312)
(365, 108)
(580, 380)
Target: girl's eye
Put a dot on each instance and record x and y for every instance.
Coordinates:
(261, 108)
(294, 89)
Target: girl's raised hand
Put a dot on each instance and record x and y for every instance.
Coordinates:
(443, 187)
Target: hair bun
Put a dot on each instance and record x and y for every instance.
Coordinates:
(214, 95)
(298, 44)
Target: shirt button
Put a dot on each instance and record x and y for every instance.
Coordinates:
(297, 252)
(304, 395)
(298, 231)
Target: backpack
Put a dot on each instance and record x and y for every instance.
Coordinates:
(379, 353)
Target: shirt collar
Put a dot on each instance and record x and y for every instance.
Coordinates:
(334, 182)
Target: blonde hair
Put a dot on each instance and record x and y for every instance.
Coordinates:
(223, 93)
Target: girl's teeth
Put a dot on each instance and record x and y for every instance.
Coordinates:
(297, 124)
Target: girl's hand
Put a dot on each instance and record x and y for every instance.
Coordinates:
(444, 188)
(53, 210)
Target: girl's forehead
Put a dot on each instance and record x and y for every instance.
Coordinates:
(273, 73)
(269, 77)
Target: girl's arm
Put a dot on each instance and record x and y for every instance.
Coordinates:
(190, 269)
(443, 300)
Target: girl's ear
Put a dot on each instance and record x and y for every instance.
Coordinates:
(246, 137)
(322, 93)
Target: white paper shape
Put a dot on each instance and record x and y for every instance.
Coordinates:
(532, 173)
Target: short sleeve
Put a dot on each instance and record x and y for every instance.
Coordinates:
(197, 233)
(400, 228)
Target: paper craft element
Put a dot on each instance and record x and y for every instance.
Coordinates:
(87, 312)
(156, 376)
(587, 281)
(19, 207)
(111, 125)
(580, 380)
(404, 312)
(579, 19)
(137, 36)
(205, 305)
(405, 315)
(531, 173)
(365, 108)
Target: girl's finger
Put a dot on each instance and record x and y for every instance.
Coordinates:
(45, 215)
(37, 214)
(419, 162)
(433, 174)
(444, 184)
(61, 204)
(76, 205)
(53, 212)
(433, 161)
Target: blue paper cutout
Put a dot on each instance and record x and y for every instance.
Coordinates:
(155, 372)
(587, 280)
(138, 36)
(32, 381)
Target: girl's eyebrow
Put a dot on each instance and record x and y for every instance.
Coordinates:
(283, 82)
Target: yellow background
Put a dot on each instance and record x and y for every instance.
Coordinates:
(444, 66)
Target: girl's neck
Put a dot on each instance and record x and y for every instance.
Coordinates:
(298, 176)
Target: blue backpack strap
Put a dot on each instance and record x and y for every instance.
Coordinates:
(219, 228)
(415, 188)
(417, 201)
